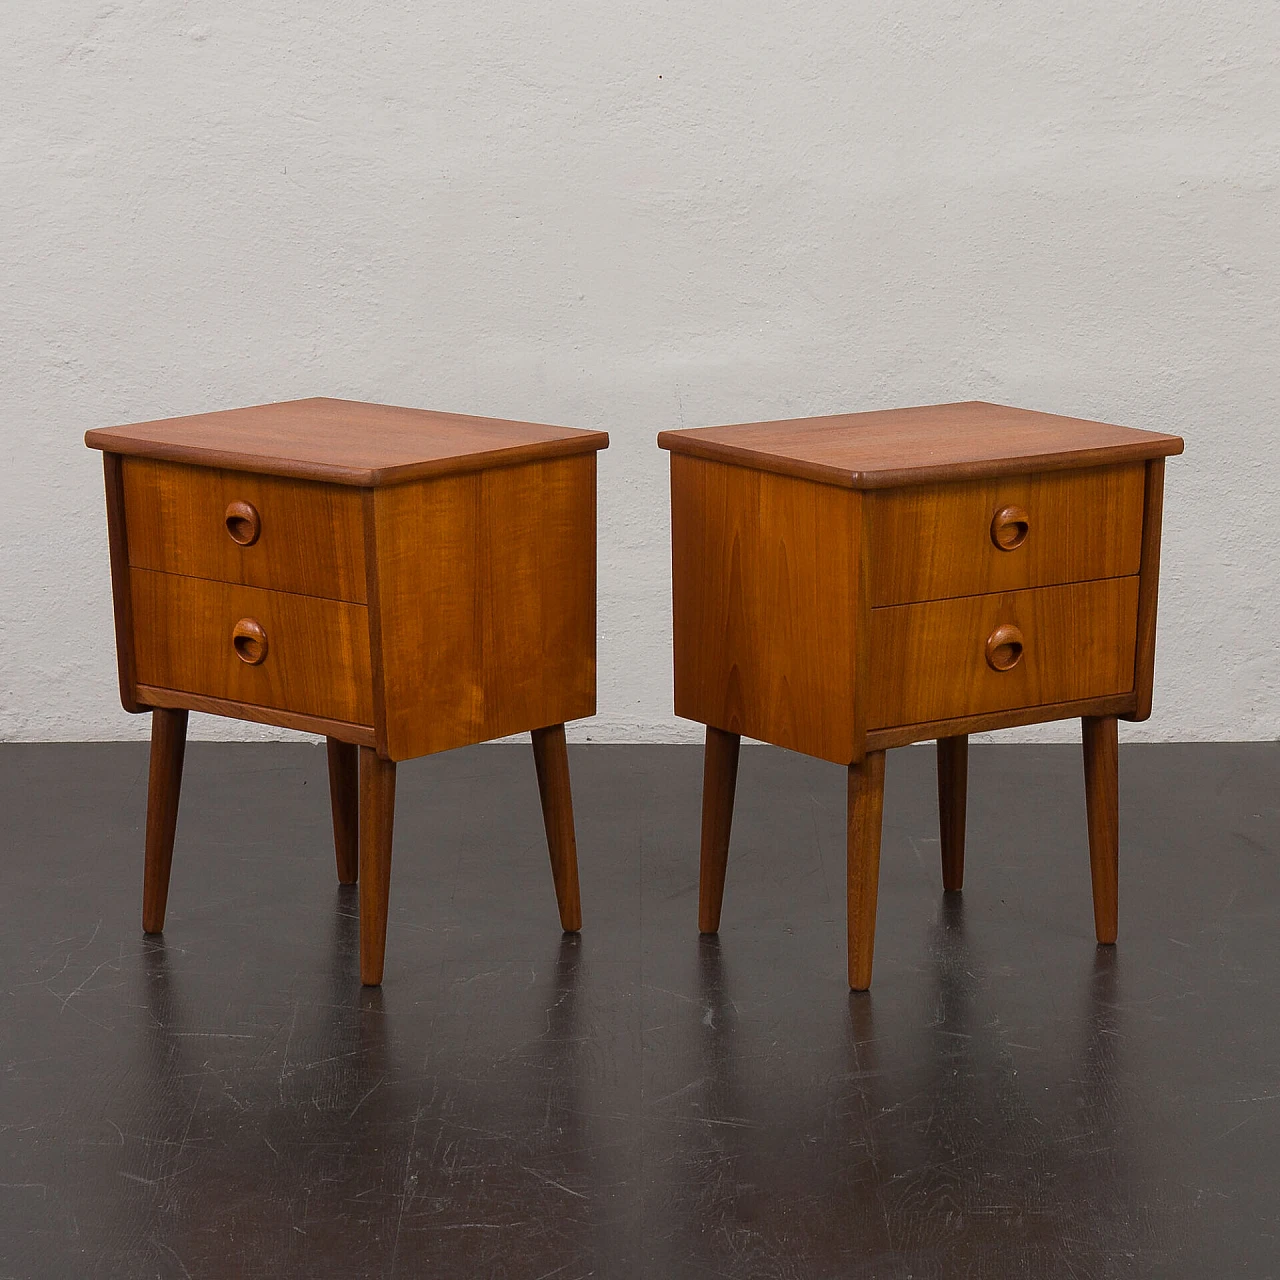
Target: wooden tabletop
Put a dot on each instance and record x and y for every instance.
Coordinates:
(344, 441)
(893, 447)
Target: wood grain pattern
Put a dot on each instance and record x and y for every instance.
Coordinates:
(1102, 804)
(164, 786)
(1148, 592)
(989, 721)
(318, 662)
(934, 541)
(764, 590)
(953, 786)
(486, 603)
(719, 782)
(344, 800)
(893, 447)
(377, 823)
(118, 542)
(360, 734)
(311, 539)
(928, 662)
(551, 760)
(344, 441)
(865, 813)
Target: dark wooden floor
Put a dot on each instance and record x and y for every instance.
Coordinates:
(1009, 1101)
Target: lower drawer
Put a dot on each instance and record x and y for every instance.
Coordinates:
(949, 658)
(269, 648)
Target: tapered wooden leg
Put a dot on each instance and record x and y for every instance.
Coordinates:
(168, 747)
(719, 781)
(1102, 804)
(551, 760)
(866, 808)
(344, 797)
(377, 818)
(953, 782)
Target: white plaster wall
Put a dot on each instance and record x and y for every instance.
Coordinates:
(638, 216)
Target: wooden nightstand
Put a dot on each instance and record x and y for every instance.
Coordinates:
(400, 581)
(847, 584)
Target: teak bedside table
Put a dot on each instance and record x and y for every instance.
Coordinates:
(847, 584)
(400, 581)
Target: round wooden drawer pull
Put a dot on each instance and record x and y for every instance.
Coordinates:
(244, 524)
(1009, 528)
(1004, 648)
(249, 641)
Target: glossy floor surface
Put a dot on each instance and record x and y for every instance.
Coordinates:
(1009, 1101)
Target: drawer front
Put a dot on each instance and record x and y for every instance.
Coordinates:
(938, 541)
(233, 526)
(950, 658)
(295, 653)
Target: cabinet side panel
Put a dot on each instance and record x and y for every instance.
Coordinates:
(763, 600)
(486, 602)
(1144, 669)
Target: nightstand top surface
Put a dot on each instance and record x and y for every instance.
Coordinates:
(344, 441)
(893, 447)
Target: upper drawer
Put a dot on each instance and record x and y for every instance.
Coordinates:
(936, 541)
(234, 526)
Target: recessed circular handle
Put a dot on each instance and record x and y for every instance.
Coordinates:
(244, 524)
(249, 640)
(1009, 528)
(1004, 648)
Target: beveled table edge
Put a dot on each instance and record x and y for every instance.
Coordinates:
(116, 440)
(1157, 446)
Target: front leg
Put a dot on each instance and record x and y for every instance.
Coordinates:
(377, 819)
(866, 808)
(1102, 806)
(168, 748)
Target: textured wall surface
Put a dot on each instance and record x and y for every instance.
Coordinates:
(636, 217)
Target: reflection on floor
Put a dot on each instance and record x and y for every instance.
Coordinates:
(1008, 1101)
